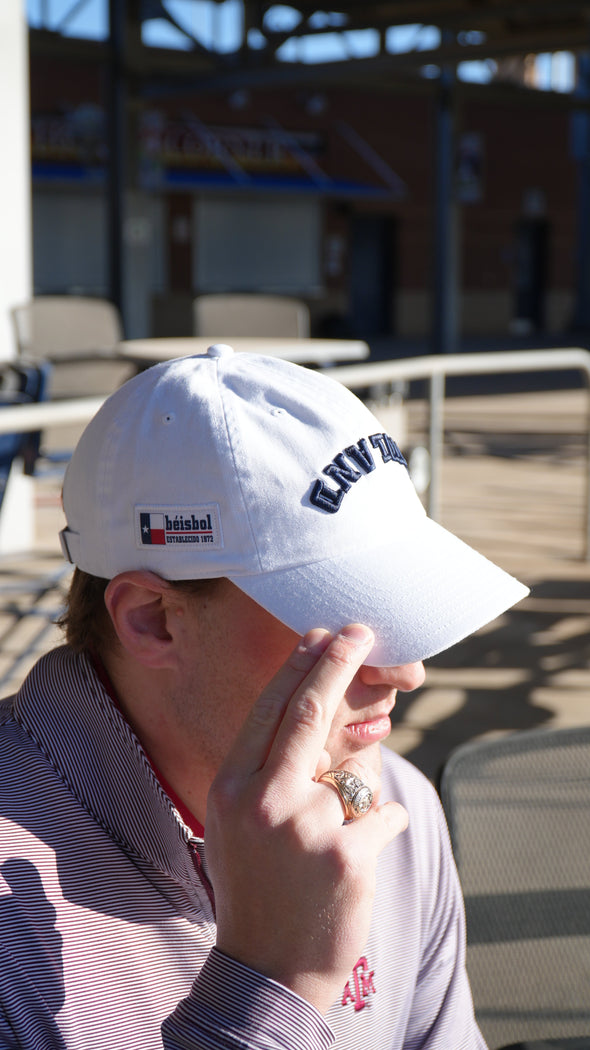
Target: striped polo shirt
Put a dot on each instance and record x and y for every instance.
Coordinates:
(107, 933)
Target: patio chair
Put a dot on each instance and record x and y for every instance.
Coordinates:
(518, 809)
(227, 316)
(79, 336)
(20, 384)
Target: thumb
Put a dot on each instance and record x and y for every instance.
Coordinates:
(394, 817)
(381, 825)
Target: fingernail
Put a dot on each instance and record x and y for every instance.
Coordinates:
(358, 634)
(315, 641)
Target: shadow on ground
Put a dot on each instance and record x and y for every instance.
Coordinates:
(537, 659)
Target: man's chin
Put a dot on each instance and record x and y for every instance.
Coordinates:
(364, 762)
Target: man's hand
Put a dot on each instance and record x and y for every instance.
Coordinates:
(294, 886)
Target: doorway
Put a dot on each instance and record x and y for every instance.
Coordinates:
(373, 250)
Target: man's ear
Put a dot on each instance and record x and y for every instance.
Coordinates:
(138, 603)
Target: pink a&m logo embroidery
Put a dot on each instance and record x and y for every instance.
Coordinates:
(360, 986)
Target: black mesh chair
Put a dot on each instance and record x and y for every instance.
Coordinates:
(518, 809)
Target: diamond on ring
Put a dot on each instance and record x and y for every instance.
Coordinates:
(356, 796)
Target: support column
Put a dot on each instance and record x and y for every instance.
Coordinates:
(15, 171)
(117, 146)
(444, 315)
(581, 150)
(17, 517)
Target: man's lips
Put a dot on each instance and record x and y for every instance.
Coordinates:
(376, 728)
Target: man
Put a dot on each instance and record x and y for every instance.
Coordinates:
(203, 844)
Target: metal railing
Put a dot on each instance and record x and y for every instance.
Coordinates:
(18, 419)
(434, 369)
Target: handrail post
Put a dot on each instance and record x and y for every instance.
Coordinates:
(436, 441)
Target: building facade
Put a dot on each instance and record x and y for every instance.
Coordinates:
(327, 195)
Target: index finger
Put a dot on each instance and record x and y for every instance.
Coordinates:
(251, 747)
(304, 728)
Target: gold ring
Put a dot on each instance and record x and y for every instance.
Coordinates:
(356, 797)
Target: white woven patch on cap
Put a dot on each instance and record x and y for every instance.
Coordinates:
(195, 527)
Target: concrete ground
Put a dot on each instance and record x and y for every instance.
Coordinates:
(513, 484)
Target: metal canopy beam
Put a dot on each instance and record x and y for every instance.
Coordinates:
(523, 27)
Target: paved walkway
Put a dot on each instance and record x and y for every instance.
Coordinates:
(513, 484)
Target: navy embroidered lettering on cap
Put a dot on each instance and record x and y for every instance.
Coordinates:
(388, 448)
(345, 474)
(361, 454)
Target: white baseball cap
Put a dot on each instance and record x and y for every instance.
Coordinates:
(279, 478)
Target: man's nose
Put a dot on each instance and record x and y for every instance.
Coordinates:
(405, 677)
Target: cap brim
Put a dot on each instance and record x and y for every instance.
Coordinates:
(419, 596)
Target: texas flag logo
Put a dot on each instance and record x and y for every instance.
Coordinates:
(152, 528)
(195, 528)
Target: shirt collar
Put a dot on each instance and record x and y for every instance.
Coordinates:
(189, 818)
(64, 707)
